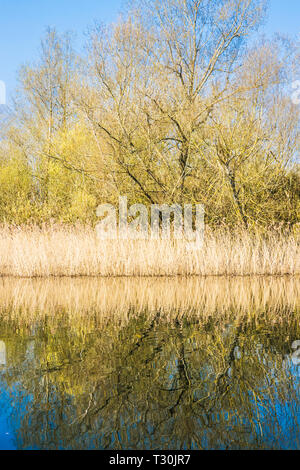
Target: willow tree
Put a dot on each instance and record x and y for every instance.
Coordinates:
(170, 105)
(48, 133)
(44, 105)
(251, 142)
(154, 76)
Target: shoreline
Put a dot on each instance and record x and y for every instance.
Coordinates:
(156, 276)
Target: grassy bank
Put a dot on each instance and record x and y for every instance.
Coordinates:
(76, 251)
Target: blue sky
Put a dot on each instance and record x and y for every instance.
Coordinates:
(23, 22)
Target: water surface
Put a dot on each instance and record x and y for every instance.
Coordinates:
(149, 364)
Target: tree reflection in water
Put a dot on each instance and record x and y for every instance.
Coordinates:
(185, 380)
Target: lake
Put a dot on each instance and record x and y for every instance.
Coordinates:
(153, 363)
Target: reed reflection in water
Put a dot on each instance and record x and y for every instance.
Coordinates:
(149, 363)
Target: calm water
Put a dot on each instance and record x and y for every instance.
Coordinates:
(119, 374)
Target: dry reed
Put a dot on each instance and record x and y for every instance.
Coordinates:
(76, 251)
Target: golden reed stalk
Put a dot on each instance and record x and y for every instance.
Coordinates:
(76, 251)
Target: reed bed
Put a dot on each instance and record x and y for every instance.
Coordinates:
(55, 250)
